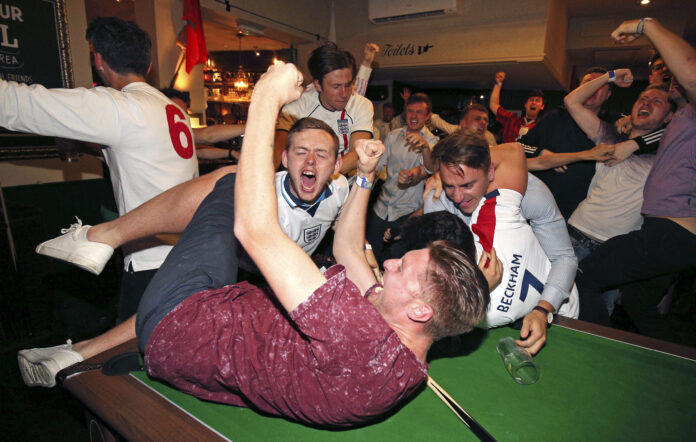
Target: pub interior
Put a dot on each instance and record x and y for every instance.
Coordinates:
(452, 56)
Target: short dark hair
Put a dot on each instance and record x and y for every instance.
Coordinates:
(388, 105)
(463, 147)
(175, 93)
(124, 46)
(420, 97)
(654, 58)
(664, 87)
(328, 58)
(473, 106)
(537, 93)
(312, 123)
(593, 70)
(455, 289)
(418, 231)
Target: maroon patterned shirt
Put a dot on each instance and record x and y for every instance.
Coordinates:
(332, 361)
(511, 124)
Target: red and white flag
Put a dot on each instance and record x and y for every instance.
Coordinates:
(196, 51)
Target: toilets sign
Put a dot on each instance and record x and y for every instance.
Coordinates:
(405, 49)
(33, 43)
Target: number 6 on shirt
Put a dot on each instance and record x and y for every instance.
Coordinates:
(177, 128)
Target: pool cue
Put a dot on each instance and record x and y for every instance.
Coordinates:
(465, 417)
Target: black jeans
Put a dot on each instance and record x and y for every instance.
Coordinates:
(643, 263)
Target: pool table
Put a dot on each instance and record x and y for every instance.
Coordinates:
(595, 383)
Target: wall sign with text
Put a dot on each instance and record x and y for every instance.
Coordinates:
(34, 44)
(34, 48)
(406, 50)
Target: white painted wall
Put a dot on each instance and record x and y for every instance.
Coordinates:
(484, 31)
(556, 58)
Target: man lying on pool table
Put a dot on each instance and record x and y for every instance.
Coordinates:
(333, 349)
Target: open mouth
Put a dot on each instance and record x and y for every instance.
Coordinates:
(466, 205)
(643, 113)
(308, 180)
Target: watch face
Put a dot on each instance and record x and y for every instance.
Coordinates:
(549, 315)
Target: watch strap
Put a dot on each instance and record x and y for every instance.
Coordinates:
(361, 181)
(548, 314)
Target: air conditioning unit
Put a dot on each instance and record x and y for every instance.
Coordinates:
(388, 11)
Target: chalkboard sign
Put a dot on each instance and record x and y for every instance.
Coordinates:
(34, 44)
(34, 48)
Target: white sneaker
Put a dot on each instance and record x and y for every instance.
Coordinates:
(74, 247)
(38, 354)
(39, 366)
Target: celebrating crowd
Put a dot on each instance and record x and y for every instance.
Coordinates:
(565, 216)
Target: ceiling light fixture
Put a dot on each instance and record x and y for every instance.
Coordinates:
(242, 80)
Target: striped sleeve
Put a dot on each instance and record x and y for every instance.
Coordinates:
(648, 143)
(530, 151)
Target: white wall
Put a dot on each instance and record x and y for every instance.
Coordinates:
(556, 58)
(485, 31)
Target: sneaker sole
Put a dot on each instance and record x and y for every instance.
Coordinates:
(35, 374)
(77, 260)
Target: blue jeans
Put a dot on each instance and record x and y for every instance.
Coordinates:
(583, 246)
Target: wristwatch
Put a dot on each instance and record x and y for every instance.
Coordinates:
(549, 315)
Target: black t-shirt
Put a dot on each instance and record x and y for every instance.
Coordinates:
(557, 132)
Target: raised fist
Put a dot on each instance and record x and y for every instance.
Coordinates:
(369, 56)
(369, 152)
(626, 32)
(282, 83)
(624, 77)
